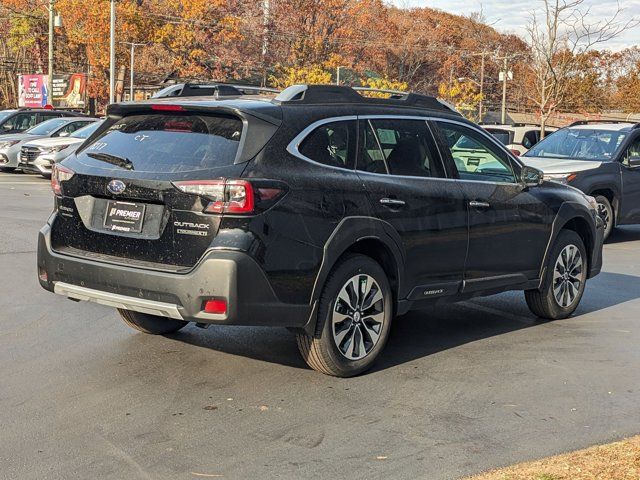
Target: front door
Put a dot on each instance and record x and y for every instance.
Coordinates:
(630, 202)
(403, 173)
(509, 227)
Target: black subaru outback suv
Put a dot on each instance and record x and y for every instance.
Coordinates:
(600, 158)
(320, 210)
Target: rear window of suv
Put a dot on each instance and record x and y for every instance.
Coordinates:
(166, 143)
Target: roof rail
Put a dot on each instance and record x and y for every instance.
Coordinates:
(254, 88)
(321, 94)
(587, 122)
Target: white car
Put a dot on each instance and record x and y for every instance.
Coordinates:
(518, 138)
(40, 155)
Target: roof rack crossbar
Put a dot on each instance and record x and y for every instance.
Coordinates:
(319, 94)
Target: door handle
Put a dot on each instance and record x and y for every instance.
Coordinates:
(477, 204)
(392, 202)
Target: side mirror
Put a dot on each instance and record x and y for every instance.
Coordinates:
(633, 162)
(532, 177)
(64, 134)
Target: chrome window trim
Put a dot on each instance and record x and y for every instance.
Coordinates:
(294, 145)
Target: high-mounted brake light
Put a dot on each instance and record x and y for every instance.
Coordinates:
(60, 174)
(225, 196)
(167, 108)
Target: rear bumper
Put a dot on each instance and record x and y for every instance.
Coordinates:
(221, 274)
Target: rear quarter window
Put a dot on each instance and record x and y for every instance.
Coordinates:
(167, 143)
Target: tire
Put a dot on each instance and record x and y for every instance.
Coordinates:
(605, 210)
(347, 343)
(562, 288)
(152, 324)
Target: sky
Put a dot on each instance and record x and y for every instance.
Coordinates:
(512, 16)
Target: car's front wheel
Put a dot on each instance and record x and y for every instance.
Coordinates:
(152, 324)
(565, 279)
(605, 210)
(355, 311)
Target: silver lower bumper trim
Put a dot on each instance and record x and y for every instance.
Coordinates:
(118, 301)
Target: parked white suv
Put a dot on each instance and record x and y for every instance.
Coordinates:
(518, 138)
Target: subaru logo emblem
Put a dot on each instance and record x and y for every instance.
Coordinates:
(116, 187)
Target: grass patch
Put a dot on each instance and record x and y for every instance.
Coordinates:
(614, 461)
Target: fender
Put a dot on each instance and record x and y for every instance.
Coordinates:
(617, 196)
(567, 212)
(348, 232)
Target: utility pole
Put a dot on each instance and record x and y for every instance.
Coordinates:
(131, 67)
(481, 104)
(112, 54)
(51, 35)
(266, 13)
(506, 76)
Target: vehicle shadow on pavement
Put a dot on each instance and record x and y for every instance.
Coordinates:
(422, 332)
(624, 234)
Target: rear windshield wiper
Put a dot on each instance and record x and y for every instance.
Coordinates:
(112, 159)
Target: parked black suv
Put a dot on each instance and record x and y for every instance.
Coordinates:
(601, 159)
(320, 210)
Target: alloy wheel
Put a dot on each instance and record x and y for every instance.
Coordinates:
(358, 317)
(568, 276)
(605, 215)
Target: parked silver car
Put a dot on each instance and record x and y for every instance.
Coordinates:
(10, 145)
(40, 155)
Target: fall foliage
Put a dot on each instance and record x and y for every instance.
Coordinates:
(296, 41)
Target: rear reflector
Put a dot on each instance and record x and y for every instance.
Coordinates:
(60, 174)
(167, 108)
(215, 306)
(42, 274)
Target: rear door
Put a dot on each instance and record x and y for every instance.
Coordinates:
(508, 226)
(401, 168)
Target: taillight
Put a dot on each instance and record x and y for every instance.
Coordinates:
(225, 196)
(60, 174)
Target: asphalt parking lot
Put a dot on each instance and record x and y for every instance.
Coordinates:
(459, 389)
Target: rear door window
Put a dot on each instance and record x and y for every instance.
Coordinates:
(400, 147)
(332, 144)
(166, 143)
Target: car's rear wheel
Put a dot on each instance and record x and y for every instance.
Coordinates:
(152, 324)
(564, 281)
(605, 210)
(355, 311)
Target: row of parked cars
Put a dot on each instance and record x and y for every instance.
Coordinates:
(328, 212)
(34, 139)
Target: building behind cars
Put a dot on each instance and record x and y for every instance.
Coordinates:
(518, 137)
